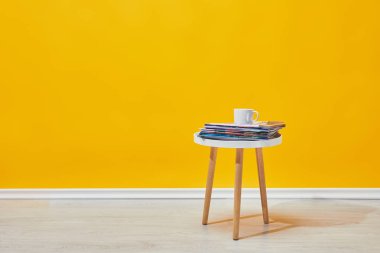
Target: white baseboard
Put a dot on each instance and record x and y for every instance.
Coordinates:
(188, 193)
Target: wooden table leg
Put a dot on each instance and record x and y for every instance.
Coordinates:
(210, 180)
(237, 191)
(263, 190)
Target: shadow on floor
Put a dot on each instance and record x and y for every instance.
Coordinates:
(303, 213)
(241, 218)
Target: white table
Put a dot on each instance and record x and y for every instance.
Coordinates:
(240, 146)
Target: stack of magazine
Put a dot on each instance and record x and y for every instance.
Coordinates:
(261, 130)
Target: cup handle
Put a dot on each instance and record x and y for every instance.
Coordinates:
(257, 115)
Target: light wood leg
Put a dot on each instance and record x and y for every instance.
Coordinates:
(263, 189)
(210, 180)
(237, 191)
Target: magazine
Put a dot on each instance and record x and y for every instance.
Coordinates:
(261, 130)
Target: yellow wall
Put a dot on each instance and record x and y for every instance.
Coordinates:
(108, 93)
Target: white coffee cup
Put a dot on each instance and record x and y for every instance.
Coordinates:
(245, 116)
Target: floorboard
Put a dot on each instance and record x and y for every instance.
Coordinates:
(175, 226)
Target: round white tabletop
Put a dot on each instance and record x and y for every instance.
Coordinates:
(237, 144)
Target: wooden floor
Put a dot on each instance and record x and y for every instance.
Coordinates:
(132, 226)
